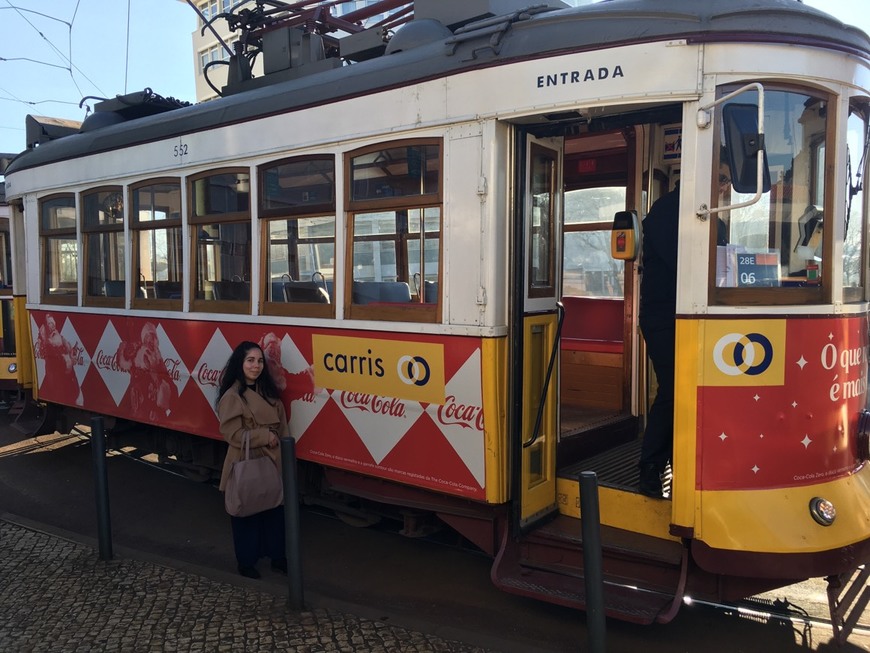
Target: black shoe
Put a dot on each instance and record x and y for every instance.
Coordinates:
(650, 483)
(280, 565)
(249, 572)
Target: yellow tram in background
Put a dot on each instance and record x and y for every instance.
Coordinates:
(415, 222)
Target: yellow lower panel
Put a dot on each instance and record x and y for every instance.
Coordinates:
(26, 361)
(619, 509)
(493, 365)
(779, 521)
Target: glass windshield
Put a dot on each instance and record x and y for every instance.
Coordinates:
(778, 241)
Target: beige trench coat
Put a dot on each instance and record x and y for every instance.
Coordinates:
(255, 414)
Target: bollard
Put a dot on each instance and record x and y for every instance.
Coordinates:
(590, 521)
(291, 523)
(101, 487)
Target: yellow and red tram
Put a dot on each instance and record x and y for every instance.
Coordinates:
(399, 222)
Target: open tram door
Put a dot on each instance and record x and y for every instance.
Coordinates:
(535, 320)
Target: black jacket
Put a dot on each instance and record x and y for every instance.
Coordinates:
(658, 285)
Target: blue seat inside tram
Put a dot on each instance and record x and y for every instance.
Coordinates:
(304, 292)
(370, 292)
(167, 289)
(114, 287)
(430, 292)
(234, 291)
(117, 288)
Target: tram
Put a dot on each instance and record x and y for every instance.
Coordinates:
(430, 225)
(10, 391)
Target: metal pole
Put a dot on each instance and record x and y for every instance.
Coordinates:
(590, 521)
(291, 523)
(101, 488)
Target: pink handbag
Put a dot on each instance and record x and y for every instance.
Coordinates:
(254, 484)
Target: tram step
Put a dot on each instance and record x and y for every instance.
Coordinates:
(630, 558)
(638, 587)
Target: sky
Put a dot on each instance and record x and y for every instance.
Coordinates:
(55, 52)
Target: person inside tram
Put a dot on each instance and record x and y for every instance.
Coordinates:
(658, 300)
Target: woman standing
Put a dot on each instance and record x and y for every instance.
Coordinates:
(249, 403)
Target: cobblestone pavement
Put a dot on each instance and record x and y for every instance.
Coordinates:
(59, 596)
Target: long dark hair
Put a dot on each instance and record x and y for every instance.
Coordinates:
(233, 372)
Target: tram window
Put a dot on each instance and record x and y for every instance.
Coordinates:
(57, 231)
(155, 226)
(857, 146)
(103, 235)
(588, 268)
(297, 204)
(395, 230)
(541, 273)
(389, 172)
(780, 241)
(5, 260)
(220, 222)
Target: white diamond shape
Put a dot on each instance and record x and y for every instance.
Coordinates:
(39, 355)
(106, 363)
(303, 410)
(380, 422)
(175, 366)
(209, 366)
(80, 357)
(464, 435)
(806, 441)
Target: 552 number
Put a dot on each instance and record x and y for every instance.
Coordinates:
(179, 150)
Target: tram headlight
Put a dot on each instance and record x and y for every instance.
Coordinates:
(823, 511)
(13, 368)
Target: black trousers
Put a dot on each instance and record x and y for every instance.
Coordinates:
(259, 535)
(658, 438)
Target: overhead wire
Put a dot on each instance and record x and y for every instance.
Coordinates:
(70, 65)
(127, 51)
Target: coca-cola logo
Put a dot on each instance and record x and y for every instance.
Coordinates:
(373, 404)
(76, 354)
(467, 416)
(104, 361)
(207, 375)
(173, 368)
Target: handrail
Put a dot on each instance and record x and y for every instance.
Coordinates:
(537, 430)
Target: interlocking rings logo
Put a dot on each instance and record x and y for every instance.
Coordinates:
(736, 354)
(413, 370)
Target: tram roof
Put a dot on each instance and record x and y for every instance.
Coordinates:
(424, 54)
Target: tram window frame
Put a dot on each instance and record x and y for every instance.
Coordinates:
(103, 246)
(202, 226)
(304, 209)
(857, 205)
(5, 258)
(170, 224)
(403, 205)
(598, 169)
(52, 260)
(779, 295)
(541, 279)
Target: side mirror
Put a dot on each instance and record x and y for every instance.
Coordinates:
(744, 143)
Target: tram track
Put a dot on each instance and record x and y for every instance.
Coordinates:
(783, 611)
